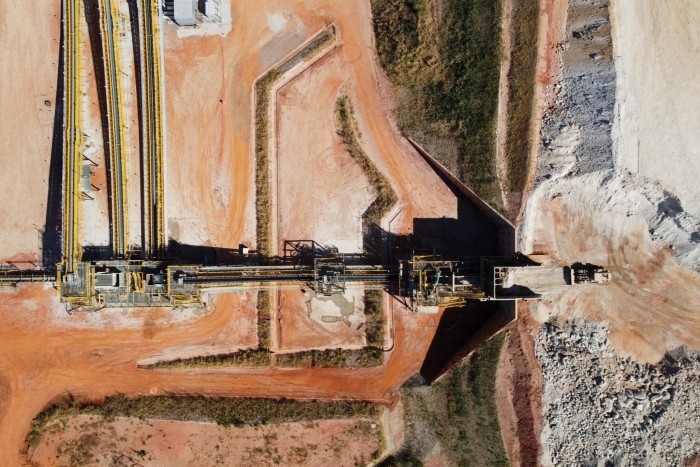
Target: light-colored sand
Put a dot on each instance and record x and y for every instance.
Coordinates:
(586, 208)
(29, 57)
(651, 304)
(308, 321)
(177, 443)
(322, 192)
(657, 58)
(95, 212)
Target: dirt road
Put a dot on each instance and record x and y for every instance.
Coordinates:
(40, 361)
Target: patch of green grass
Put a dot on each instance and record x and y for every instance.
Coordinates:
(365, 357)
(263, 307)
(374, 315)
(49, 417)
(243, 358)
(521, 79)
(445, 61)
(459, 412)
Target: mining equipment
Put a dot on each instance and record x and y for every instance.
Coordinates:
(422, 280)
(589, 274)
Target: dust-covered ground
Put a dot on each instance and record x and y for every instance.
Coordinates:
(621, 389)
(657, 59)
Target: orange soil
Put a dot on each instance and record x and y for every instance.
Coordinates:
(209, 170)
(301, 326)
(650, 305)
(176, 443)
(519, 393)
(40, 360)
(30, 56)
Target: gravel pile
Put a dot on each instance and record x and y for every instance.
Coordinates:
(576, 157)
(601, 409)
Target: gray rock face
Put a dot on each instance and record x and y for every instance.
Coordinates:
(601, 409)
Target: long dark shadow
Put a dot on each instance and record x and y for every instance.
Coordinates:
(92, 16)
(134, 19)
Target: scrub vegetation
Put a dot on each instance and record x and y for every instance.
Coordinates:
(223, 411)
(458, 412)
(521, 79)
(444, 57)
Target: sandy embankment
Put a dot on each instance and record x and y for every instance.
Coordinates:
(585, 207)
(657, 58)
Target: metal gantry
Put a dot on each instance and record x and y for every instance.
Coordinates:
(109, 11)
(72, 250)
(152, 135)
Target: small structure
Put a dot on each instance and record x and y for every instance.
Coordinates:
(183, 12)
(210, 8)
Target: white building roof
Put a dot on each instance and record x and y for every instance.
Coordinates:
(184, 12)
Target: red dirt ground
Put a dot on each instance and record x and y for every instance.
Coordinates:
(175, 443)
(40, 360)
(30, 55)
(209, 169)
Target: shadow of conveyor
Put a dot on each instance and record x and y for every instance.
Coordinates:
(52, 234)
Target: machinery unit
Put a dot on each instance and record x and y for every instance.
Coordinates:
(428, 282)
(589, 273)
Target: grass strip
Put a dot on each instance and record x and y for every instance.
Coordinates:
(365, 357)
(521, 81)
(223, 411)
(243, 358)
(263, 89)
(385, 194)
(374, 315)
(263, 307)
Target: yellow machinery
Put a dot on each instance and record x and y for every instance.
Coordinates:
(429, 282)
(109, 11)
(72, 250)
(152, 144)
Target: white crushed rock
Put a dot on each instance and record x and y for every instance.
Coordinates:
(576, 158)
(601, 409)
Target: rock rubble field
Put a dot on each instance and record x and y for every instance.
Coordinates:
(601, 409)
(621, 381)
